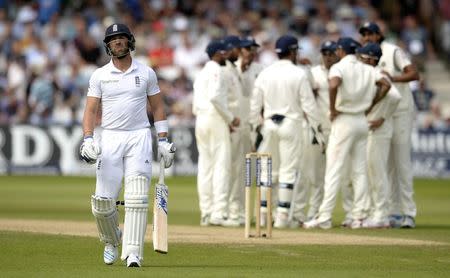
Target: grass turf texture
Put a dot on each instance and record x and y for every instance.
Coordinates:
(68, 198)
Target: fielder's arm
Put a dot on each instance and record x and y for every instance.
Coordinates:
(333, 85)
(383, 86)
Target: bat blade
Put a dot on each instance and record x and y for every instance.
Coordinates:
(160, 243)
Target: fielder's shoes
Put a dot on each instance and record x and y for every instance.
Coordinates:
(281, 221)
(315, 223)
(408, 222)
(357, 223)
(110, 254)
(375, 224)
(347, 223)
(204, 221)
(396, 220)
(133, 261)
(217, 221)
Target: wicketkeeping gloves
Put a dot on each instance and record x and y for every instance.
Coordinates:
(166, 151)
(89, 151)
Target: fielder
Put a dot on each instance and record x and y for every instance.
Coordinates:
(283, 92)
(351, 92)
(400, 70)
(378, 144)
(212, 133)
(123, 87)
(312, 157)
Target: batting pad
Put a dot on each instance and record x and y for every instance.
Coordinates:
(106, 216)
(136, 209)
(285, 196)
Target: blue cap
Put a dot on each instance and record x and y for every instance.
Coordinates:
(232, 42)
(328, 46)
(215, 46)
(371, 49)
(286, 43)
(371, 27)
(248, 41)
(348, 44)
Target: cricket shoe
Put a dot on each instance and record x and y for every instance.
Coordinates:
(110, 254)
(217, 221)
(347, 223)
(396, 220)
(358, 223)
(374, 224)
(133, 261)
(281, 221)
(231, 222)
(408, 222)
(315, 223)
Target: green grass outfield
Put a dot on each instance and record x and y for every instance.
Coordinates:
(68, 198)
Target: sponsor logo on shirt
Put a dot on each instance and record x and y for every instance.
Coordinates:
(109, 81)
(137, 81)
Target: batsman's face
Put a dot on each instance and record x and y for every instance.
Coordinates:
(118, 45)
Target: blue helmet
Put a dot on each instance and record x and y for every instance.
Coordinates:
(118, 29)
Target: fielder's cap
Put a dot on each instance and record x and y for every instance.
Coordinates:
(286, 43)
(215, 46)
(371, 27)
(248, 41)
(328, 46)
(232, 42)
(348, 44)
(371, 49)
(116, 29)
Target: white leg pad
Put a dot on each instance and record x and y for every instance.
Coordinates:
(106, 216)
(284, 197)
(136, 210)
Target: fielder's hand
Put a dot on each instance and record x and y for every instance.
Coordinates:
(166, 151)
(89, 151)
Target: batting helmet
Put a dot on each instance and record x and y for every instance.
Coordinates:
(118, 29)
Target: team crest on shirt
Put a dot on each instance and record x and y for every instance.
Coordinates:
(137, 81)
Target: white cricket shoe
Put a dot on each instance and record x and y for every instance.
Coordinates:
(374, 224)
(133, 261)
(110, 254)
(281, 221)
(217, 221)
(408, 222)
(357, 223)
(347, 223)
(315, 223)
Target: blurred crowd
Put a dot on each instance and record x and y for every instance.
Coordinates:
(49, 48)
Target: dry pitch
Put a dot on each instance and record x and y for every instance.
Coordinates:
(212, 235)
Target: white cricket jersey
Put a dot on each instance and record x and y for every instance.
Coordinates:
(234, 88)
(393, 61)
(320, 77)
(283, 89)
(248, 78)
(210, 93)
(386, 107)
(123, 95)
(355, 94)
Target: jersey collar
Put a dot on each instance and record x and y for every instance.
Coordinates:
(113, 68)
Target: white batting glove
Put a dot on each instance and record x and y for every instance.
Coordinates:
(89, 151)
(166, 151)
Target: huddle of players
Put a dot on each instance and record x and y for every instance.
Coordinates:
(343, 124)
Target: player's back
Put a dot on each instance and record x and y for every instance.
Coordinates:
(208, 80)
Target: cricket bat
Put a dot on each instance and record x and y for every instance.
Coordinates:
(160, 244)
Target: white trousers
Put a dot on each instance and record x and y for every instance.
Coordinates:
(240, 145)
(378, 147)
(124, 154)
(214, 161)
(402, 197)
(347, 146)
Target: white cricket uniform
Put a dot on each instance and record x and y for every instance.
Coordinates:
(240, 86)
(283, 89)
(210, 105)
(126, 141)
(393, 61)
(312, 167)
(378, 146)
(348, 137)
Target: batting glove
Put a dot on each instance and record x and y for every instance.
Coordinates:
(89, 151)
(166, 151)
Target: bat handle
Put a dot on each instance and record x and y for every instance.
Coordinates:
(161, 171)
